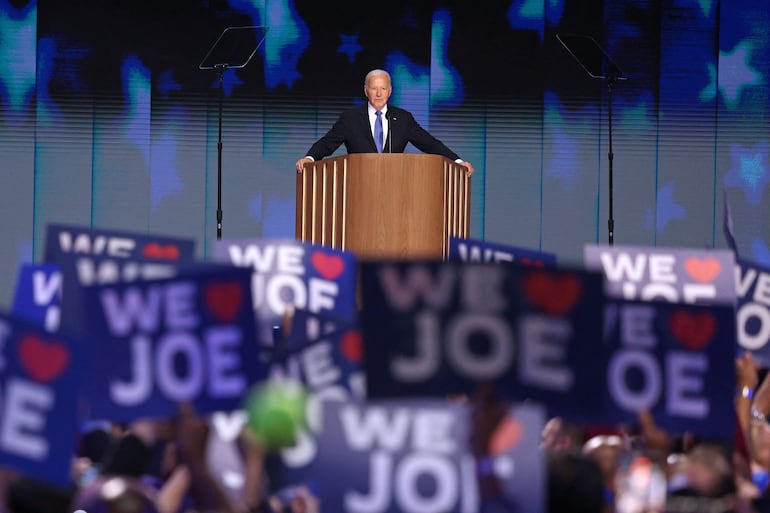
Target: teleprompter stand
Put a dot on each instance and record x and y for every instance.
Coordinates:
(233, 49)
(597, 64)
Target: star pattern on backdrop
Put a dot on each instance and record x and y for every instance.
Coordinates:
(413, 85)
(562, 163)
(530, 14)
(563, 159)
(749, 170)
(760, 252)
(709, 92)
(638, 117)
(166, 84)
(137, 92)
(284, 44)
(164, 178)
(446, 85)
(667, 208)
(47, 110)
(350, 46)
(18, 44)
(230, 80)
(736, 73)
(705, 6)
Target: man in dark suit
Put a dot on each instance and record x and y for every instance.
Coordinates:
(377, 127)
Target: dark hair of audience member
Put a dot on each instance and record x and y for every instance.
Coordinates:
(575, 484)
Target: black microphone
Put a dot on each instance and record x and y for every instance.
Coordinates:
(391, 119)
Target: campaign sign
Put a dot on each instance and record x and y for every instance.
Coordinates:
(405, 457)
(414, 456)
(65, 239)
(306, 328)
(291, 275)
(675, 275)
(96, 256)
(38, 295)
(330, 369)
(38, 401)
(470, 250)
(80, 271)
(753, 309)
(676, 361)
(438, 328)
(516, 461)
(157, 343)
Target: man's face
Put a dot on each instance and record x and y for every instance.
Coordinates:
(378, 90)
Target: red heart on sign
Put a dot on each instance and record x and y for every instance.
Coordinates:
(156, 251)
(43, 360)
(532, 263)
(693, 330)
(506, 436)
(556, 295)
(703, 271)
(328, 266)
(224, 300)
(351, 345)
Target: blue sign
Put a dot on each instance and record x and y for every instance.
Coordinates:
(65, 239)
(334, 359)
(516, 462)
(39, 389)
(676, 361)
(753, 310)
(95, 256)
(400, 456)
(432, 329)
(469, 250)
(699, 276)
(330, 369)
(187, 339)
(38, 295)
(415, 456)
(79, 271)
(306, 328)
(291, 275)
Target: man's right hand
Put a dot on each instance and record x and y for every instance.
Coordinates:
(301, 163)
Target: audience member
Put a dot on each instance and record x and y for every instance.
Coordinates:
(575, 484)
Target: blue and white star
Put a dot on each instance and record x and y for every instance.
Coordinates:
(749, 171)
(350, 46)
(735, 73)
(667, 208)
(18, 45)
(531, 14)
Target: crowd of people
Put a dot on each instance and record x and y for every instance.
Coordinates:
(617, 471)
(161, 466)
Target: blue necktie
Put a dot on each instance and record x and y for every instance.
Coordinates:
(378, 131)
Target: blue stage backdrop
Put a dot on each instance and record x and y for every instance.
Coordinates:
(105, 119)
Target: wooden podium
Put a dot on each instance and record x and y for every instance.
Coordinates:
(384, 205)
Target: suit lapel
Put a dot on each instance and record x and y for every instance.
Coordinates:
(368, 128)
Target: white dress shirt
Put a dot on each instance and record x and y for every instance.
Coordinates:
(373, 119)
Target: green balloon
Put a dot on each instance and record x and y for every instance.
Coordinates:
(277, 412)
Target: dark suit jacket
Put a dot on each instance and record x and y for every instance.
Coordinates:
(354, 131)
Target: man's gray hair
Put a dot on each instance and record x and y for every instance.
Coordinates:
(375, 72)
